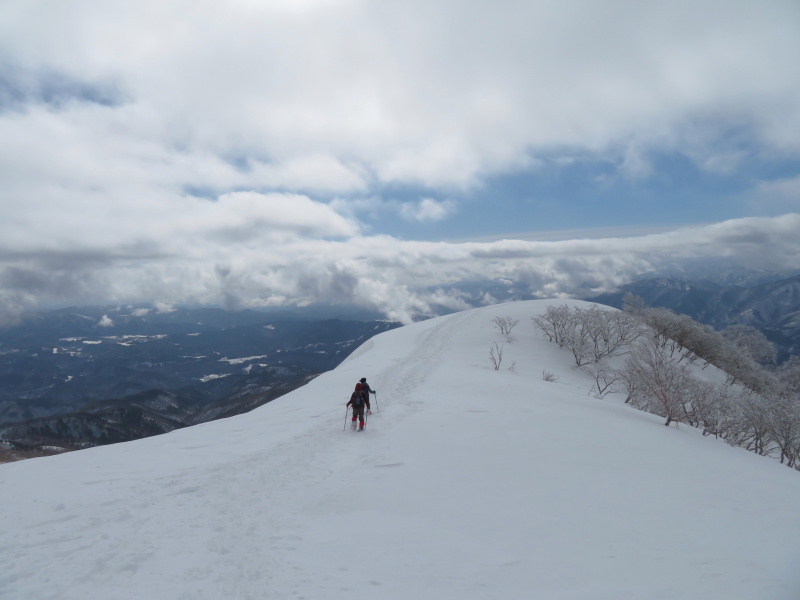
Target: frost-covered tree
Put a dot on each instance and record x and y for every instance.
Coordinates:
(783, 426)
(711, 408)
(610, 332)
(756, 408)
(657, 382)
(738, 352)
(589, 334)
(684, 337)
(505, 324)
(633, 304)
(752, 342)
(706, 344)
(556, 323)
(789, 374)
(750, 427)
(606, 379)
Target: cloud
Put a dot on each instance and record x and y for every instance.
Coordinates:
(241, 216)
(243, 153)
(320, 173)
(427, 209)
(404, 279)
(164, 308)
(14, 303)
(397, 89)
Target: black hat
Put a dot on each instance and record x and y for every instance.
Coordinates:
(363, 379)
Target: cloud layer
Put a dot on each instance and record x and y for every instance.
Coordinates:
(336, 95)
(240, 259)
(245, 152)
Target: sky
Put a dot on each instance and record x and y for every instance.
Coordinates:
(449, 493)
(256, 153)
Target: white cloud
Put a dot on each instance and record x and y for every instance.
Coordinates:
(635, 163)
(106, 321)
(322, 173)
(427, 209)
(388, 274)
(442, 93)
(229, 152)
(240, 216)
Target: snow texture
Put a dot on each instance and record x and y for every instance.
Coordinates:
(470, 483)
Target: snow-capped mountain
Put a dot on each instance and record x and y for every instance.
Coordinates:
(469, 482)
(773, 307)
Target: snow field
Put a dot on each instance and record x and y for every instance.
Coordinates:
(469, 483)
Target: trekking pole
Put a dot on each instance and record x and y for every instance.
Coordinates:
(346, 410)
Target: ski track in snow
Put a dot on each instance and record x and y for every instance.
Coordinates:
(407, 379)
(247, 514)
(270, 545)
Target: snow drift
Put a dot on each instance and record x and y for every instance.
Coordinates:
(469, 483)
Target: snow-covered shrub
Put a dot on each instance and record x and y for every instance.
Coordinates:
(589, 334)
(754, 407)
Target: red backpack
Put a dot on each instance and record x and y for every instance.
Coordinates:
(357, 399)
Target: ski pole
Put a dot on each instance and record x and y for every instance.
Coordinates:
(346, 410)
(376, 401)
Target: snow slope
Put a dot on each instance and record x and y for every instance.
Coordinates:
(470, 483)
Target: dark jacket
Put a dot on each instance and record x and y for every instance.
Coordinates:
(366, 391)
(359, 397)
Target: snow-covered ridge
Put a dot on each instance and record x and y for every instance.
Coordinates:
(469, 482)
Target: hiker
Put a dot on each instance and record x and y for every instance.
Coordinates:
(366, 391)
(357, 401)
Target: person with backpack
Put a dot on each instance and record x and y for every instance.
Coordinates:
(358, 402)
(366, 391)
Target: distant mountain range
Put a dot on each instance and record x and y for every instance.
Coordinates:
(80, 377)
(772, 307)
(721, 297)
(87, 376)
